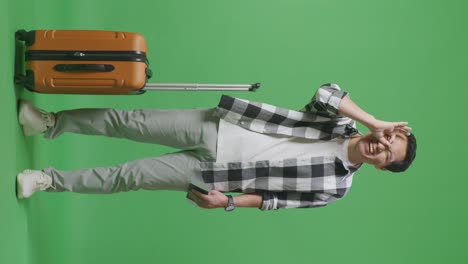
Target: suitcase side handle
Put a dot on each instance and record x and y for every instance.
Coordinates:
(84, 67)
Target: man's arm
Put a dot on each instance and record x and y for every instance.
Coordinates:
(275, 200)
(331, 101)
(379, 128)
(216, 199)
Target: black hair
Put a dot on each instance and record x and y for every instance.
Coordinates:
(400, 166)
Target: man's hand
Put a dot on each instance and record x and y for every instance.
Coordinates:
(214, 199)
(380, 129)
(385, 131)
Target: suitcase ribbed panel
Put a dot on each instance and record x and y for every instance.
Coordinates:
(125, 78)
(88, 40)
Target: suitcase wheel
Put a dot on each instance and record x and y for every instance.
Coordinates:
(26, 81)
(20, 79)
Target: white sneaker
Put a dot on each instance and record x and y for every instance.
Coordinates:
(33, 119)
(31, 181)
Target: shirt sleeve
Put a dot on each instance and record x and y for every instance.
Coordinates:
(270, 201)
(326, 101)
(283, 200)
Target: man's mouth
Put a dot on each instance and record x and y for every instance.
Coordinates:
(371, 148)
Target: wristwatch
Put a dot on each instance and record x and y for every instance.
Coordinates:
(230, 205)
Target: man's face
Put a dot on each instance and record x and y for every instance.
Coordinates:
(379, 155)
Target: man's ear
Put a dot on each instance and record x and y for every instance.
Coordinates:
(380, 168)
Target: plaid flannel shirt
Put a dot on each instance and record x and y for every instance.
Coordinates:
(287, 183)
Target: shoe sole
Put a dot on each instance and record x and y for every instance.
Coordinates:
(19, 185)
(27, 131)
(21, 107)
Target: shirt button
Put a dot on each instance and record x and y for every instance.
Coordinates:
(242, 122)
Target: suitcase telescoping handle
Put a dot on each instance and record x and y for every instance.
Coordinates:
(200, 87)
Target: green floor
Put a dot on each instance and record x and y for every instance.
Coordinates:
(400, 60)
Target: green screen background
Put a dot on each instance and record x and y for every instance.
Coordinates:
(400, 60)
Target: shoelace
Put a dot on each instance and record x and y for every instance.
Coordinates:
(44, 181)
(48, 118)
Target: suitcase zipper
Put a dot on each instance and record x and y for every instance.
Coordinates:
(137, 56)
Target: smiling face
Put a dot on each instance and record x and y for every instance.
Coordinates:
(375, 153)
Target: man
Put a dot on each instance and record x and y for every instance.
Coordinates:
(276, 158)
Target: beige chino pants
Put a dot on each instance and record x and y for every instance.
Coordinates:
(194, 132)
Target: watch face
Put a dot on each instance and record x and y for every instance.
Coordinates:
(230, 206)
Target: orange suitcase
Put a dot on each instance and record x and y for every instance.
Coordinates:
(93, 62)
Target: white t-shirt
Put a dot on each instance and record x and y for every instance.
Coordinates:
(237, 144)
